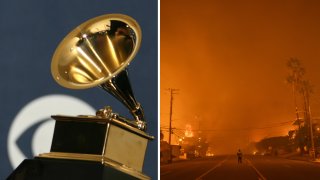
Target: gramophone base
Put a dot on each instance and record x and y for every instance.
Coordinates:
(64, 169)
(91, 137)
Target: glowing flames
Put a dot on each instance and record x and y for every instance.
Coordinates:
(188, 132)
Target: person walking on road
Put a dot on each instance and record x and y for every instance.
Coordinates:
(239, 154)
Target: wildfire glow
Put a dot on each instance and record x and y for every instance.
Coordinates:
(188, 132)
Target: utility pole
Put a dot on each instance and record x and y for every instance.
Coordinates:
(172, 92)
(307, 96)
(313, 150)
(294, 85)
(306, 90)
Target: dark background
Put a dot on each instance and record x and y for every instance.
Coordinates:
(30, 32)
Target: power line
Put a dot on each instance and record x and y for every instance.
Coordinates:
(239, 129)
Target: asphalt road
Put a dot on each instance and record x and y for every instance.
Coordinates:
(252, 168)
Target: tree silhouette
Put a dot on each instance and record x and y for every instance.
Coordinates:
(304, 88)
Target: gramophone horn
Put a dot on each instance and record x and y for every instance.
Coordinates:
(96, 53)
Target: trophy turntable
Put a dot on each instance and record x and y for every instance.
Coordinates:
(97, 53)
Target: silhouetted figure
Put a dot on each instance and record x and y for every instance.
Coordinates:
(239, 154)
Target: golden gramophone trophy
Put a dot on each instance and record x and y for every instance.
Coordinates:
(105, 145)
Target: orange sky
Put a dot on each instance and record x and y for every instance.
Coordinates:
(228, 60)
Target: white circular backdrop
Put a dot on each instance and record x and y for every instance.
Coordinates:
(35, 112)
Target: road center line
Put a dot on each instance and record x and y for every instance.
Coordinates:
(256, 170)
(213, 168)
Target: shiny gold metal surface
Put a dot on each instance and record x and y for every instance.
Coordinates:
(96, 51)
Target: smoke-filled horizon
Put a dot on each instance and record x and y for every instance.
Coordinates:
(228, 61)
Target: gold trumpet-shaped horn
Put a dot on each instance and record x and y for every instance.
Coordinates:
(97, 53)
